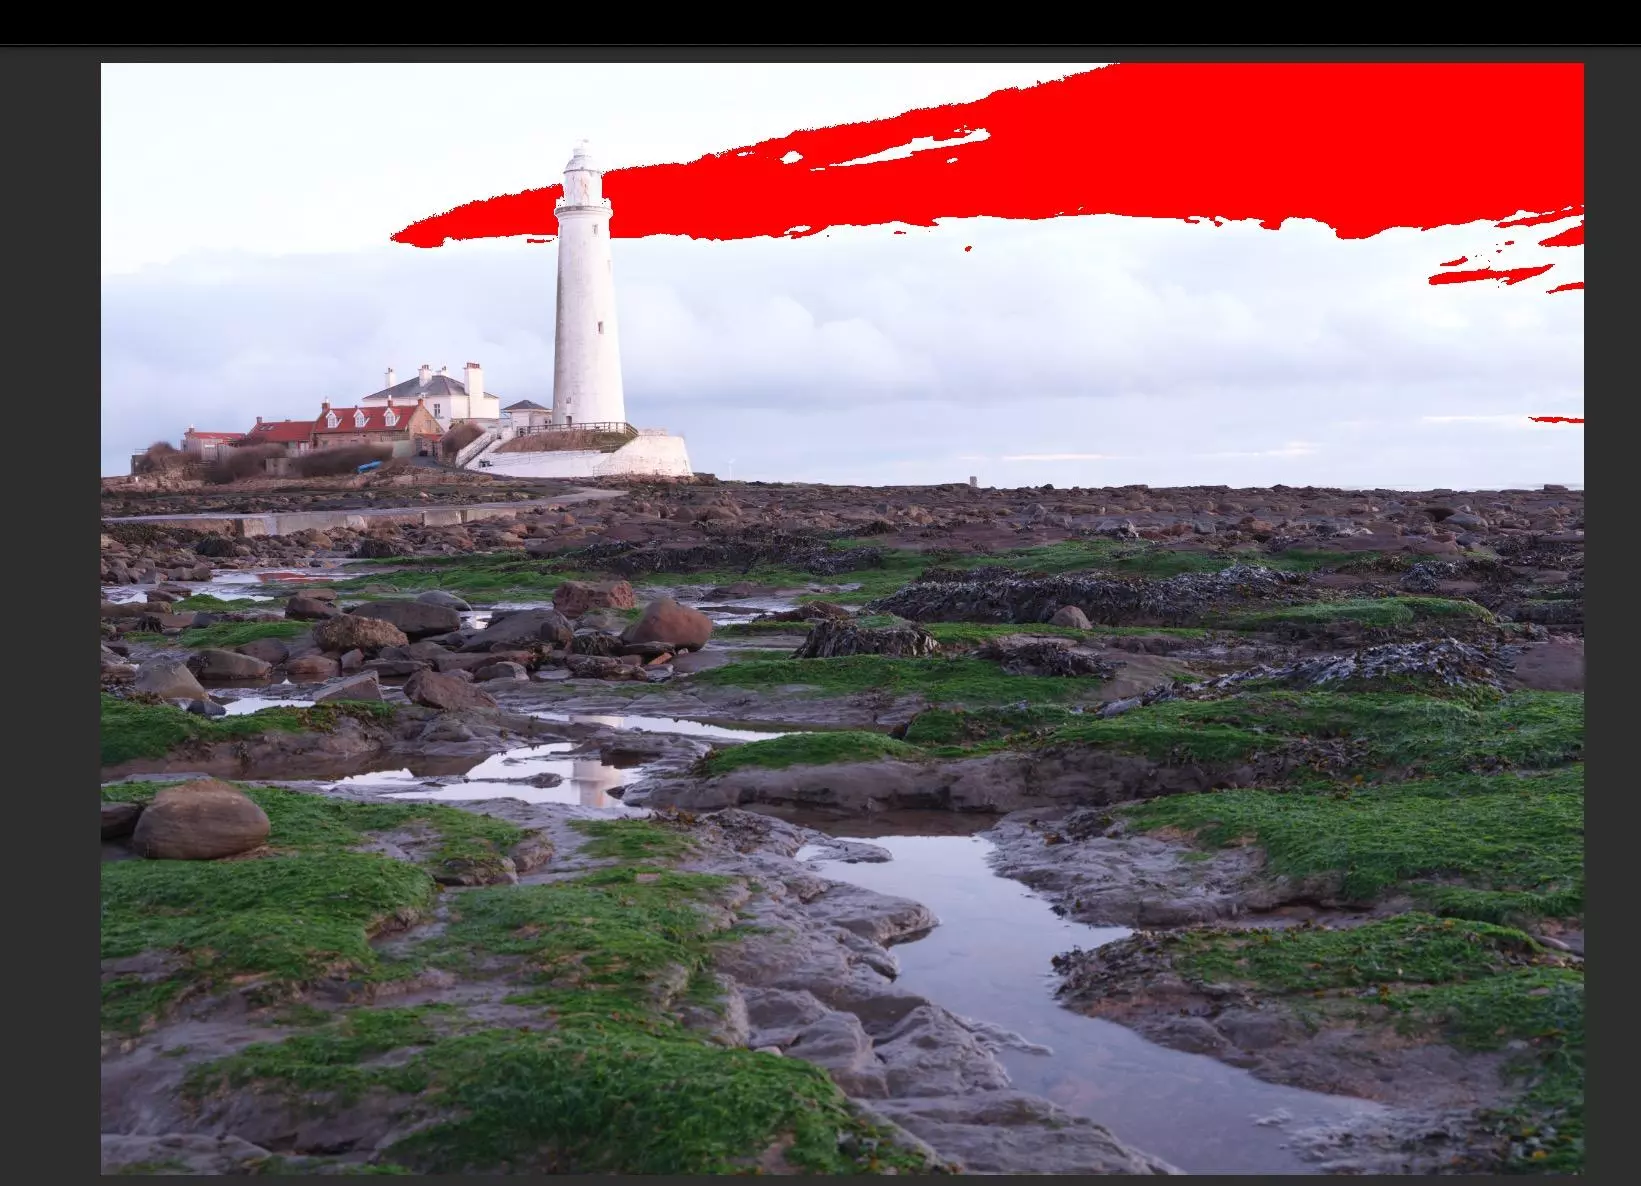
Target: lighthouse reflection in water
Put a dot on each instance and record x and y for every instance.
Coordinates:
(534, 774)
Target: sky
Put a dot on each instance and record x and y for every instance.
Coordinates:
(247, 270)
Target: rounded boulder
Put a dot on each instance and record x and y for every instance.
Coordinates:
(203, 820)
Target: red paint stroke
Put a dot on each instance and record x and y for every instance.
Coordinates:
(1539, 219)
(1571, 237)
(1453, 263)
(1508, 275)
(1360, 147)
(1557, 419)
(1575, 286)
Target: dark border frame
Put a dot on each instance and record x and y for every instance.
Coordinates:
(53, 99)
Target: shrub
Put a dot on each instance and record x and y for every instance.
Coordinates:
(161, 457)
(459, 437)
(330, 462)
(243, 462)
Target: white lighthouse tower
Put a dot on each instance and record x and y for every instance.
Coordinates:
(586, 358)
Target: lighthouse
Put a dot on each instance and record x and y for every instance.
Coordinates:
(586, 358)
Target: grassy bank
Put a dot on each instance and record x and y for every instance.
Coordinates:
(939, 680)
(132, 730)
(600, 1075)
(1499, 848)
(1470, 984)
(277, 924)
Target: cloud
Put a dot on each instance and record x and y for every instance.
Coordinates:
(1106, 351)
(1062, 457)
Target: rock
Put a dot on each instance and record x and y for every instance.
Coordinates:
(397, 668)
(168, 678)
(448, 600)
(574, 598)
(523, 629)
(1046, 657)
(219, 665)
(272, 651)
(352, 660)
(365, 686)
(664, 620)
(347, 632)
(417, 619)
(502, 670)
(445, 692)
(1070, 615)
(601, 667)
(305, 609)
(202, 708)
(199, 821)
(1009, 1132)
(311, 668)
(119, 819)
(831, 638)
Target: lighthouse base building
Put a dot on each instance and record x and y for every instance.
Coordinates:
(587, 434)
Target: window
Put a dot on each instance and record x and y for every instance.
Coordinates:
(359, 418)
(438, 410)
(390, 417)
(330, 420)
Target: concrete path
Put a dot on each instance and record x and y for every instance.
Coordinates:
(358, 518)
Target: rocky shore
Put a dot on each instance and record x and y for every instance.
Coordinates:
(1319, 752)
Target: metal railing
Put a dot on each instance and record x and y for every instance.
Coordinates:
(617, 427)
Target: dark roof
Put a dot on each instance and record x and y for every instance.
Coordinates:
(411, 390)
(525, 405)
(374, 419)
(279, 432)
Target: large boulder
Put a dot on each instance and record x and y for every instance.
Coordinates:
(220, 665)
(1070, 615)
(440, 597)
(310, 609)
(201, 820)
(347, 632)
(306, 669)
(664, 620)
(417, 619)
(168, 678)
(574, 598)
(445, 692)
(364, 686)
(519, 630)
(269, 650)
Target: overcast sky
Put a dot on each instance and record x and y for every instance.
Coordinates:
(247, 271)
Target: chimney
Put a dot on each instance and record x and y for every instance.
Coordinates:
(390, 401)
(423, 374)
(325, 407)
(390, 376)
(259, 419)
(442, 370)
(475, 386)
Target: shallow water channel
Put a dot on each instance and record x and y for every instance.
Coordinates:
(989, 959)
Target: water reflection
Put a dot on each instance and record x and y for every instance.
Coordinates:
(583, 780)
(989, 959)
(677, 725)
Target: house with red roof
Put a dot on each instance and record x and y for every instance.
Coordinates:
(410, 429)
(208, 446)
(293, 436)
